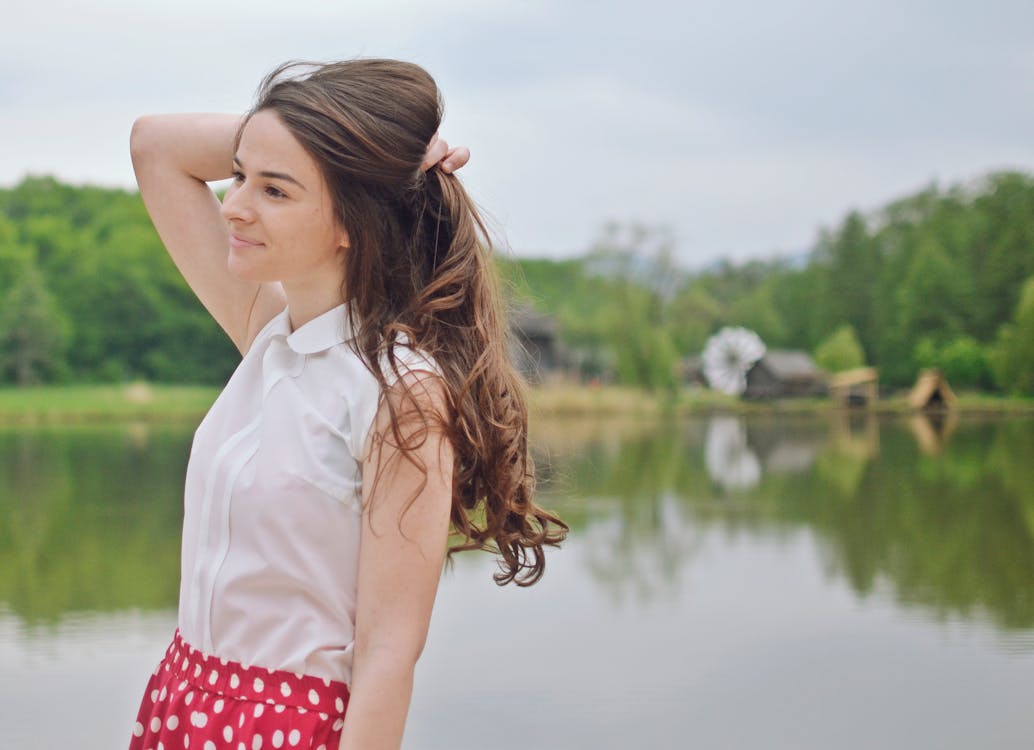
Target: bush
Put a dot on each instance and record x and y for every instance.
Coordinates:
(964, 363)
(840, 351)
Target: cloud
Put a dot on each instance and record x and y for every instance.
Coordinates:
(741, 125)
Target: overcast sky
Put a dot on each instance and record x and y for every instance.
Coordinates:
(742, 126)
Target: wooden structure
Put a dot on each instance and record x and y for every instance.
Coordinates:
(932, 391)
(859, 387)
(785, 374)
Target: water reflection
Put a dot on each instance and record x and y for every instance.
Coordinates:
(89, 519)
(730, 461)
(932, 430)
(938, 516)
(950, 531)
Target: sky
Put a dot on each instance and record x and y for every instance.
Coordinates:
(742, 128)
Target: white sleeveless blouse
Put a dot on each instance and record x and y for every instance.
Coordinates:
(272, 501)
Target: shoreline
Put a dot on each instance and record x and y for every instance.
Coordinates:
(79, 404)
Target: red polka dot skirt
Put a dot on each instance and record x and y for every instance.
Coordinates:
(201, 702)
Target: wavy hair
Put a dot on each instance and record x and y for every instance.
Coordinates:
(419, 266)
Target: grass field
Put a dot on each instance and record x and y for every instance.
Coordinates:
(143, 401)
(75, 403)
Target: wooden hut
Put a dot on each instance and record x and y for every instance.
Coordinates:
(859, 387)
(784, 374)
(932, 391)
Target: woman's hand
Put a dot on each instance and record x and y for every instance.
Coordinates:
(447, 159)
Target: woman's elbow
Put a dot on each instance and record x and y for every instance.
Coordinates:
(142, 138)
(400, 654)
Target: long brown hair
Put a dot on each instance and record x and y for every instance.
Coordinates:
(419, 265)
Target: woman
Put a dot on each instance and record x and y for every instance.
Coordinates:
(374, 407)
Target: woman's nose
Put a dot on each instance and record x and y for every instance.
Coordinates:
(235, 205)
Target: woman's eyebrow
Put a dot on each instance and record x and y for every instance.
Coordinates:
(273, 175)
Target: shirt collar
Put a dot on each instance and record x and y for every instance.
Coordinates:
(319, 334)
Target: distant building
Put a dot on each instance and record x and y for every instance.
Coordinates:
(785, 374)
(534, 348)
(691, 370)
(858, 387)
(932, 391)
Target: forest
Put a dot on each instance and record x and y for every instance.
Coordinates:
(942, 278)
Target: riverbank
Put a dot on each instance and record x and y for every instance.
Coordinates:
(150, 402)
(104, 403)
(564, 400)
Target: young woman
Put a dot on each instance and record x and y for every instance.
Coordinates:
(373, 409)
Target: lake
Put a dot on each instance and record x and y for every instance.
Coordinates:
(772, 582)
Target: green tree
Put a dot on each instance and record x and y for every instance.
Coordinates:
(964, 362)
(852, 263)
(840, 351)
(637, 264)
(1013, 355)
(695, 315)
(15, 256)
(33, 331)
(796, 297)
(932, 294)
(1002, 250)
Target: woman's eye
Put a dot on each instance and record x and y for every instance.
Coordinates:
(237, 176)
(273, 192)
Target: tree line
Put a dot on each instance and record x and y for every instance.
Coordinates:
(941, 278)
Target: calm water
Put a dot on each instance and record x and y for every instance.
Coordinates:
(729, 583)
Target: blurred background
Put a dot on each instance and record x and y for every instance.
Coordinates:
(771, 274)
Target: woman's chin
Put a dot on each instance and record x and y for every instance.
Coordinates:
(244, 269)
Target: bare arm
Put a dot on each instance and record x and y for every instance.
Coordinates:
(399, 570)
(174, 156)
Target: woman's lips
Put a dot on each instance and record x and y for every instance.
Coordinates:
(239, 242)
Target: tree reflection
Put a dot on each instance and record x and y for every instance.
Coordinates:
(951, 531)
(90, 517)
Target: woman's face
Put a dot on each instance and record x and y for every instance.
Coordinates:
(279, 211)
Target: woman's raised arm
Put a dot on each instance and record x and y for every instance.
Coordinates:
(174, 156)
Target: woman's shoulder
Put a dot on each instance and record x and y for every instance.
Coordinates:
(402, 363)
(409, 359)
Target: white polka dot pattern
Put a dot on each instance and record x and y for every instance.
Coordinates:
(211, 703)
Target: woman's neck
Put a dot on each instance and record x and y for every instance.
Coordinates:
(308, 301)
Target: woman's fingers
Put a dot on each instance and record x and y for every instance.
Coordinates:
(455, 158)
(439, 154)
(436, 151)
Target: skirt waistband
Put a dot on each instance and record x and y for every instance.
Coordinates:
(245, 682)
